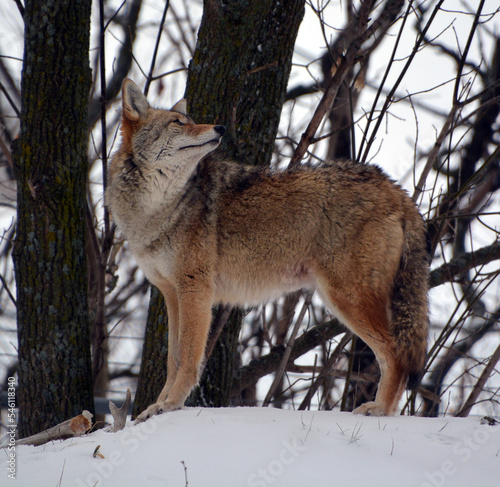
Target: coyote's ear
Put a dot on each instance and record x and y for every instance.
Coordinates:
(180, 107)
(135, 105)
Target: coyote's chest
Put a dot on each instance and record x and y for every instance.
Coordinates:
(149, 238)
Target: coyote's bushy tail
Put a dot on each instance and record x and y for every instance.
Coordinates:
(410, 313)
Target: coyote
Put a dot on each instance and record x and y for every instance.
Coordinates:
(213, 231)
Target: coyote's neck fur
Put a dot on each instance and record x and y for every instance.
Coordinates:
(151, 189)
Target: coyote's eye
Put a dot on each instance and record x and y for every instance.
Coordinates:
(178, 122)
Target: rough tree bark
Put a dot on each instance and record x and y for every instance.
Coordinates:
(238, 78)
(50, 160)
(153, 372)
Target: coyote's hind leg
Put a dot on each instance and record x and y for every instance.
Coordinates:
(368, 317)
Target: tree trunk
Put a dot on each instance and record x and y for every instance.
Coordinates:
(239, 72)
(217, 378)
(153, 373)
(238, 78)
(55, 380)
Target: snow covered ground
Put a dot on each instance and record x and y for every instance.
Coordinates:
(259, 447)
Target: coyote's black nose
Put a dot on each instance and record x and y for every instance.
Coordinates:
(220, 129)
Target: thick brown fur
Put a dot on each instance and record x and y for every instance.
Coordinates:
(212, 231)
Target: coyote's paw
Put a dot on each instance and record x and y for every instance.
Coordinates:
(157, 408)
(146, 414)
(370, 409)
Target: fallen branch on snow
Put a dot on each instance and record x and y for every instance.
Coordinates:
(76, 426)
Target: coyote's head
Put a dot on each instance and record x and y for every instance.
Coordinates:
(163, 140)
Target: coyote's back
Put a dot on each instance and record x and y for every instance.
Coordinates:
(208, 232)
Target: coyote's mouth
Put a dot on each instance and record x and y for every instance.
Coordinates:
(213, 141)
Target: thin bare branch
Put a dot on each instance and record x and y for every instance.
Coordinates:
(447, 272)
(259, 367)
(346, 62)
(6, 287)
(402, 74)
(463, 57)
(288, 350)
(327, 369)
(431, 158)
(157, 45)
(122, 64)
(10, 100)
(479, 386)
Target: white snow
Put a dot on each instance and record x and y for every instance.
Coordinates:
(259, 447)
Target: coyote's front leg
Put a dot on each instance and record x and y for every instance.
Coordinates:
(170, 294)
(187, 343)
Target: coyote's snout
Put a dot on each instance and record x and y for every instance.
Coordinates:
(206, 232)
